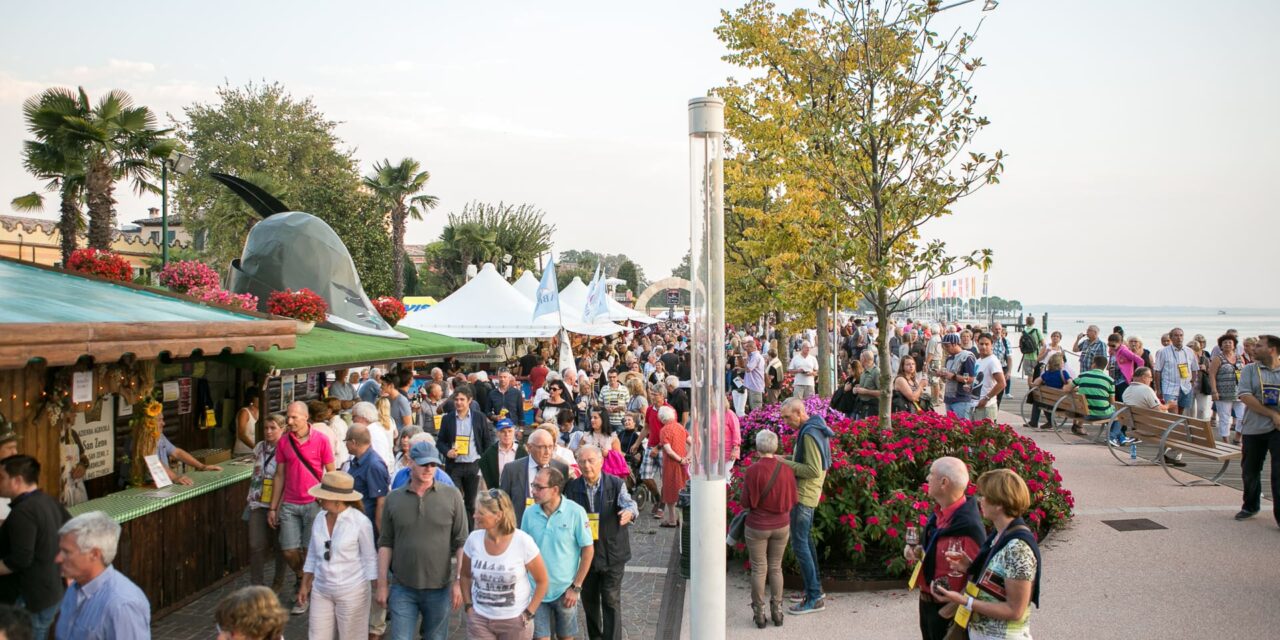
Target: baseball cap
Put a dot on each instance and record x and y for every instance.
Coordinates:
(951, 338)
(503, 424)
(424, 453)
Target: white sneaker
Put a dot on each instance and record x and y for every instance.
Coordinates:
(299, 608)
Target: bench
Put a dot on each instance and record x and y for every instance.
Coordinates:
(1173, 432)
(1068, 405)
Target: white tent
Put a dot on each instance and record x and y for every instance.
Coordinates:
(527, 284)
(574, 296)
(489, 307)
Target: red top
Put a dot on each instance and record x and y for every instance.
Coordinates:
(655, 425)
(538, 377)
(940, 565)
(772, 511)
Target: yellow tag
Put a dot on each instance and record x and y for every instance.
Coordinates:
(210, 419)
(438, 418)
(1184, 370)
(528, 502)
(963, 613)
(593, 521)
(915, 576)
(462, 444)
(267, 490)
(1237, 374)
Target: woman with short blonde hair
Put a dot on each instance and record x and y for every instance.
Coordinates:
(497, 561)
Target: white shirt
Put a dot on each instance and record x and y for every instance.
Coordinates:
(505, 456)
(808, 365)
(383, 443)
(500, 585)
(338, 427)
(353, 557)
(987, 369)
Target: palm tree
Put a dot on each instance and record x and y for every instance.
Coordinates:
(121, 142)
(55, 157)
(396, 187)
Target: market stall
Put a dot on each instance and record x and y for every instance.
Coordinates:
(76, 354)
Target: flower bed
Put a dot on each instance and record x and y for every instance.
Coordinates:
(876, 486)
(185, 275)
(103, 264)
(218, 295)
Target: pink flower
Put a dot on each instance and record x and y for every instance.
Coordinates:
(873, 520)
(892, 532)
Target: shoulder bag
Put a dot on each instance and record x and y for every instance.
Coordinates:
(738, 526)
(293, 442)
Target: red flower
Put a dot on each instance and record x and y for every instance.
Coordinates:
(303, 305)
(103, 264)
(391, 309)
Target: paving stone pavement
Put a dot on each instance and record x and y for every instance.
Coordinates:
(642, 588)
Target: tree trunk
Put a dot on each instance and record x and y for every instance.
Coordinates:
(397, 251)
(824, 353)
(99, 187)
(882, 347)
(68, 224)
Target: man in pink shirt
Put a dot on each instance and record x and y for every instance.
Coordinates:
(301, 460)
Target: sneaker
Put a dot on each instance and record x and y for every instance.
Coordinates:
(299, 608)
(1112, 442)
(1128, 441)
(1174, 462)
(1245, 515)
(808, 606)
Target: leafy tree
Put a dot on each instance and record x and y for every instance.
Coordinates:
(876, 112)
(483, 233)
(683, 269)
(586, 261)
(630, 272)
(410, 274)
(285, 145)
(56, 157)
(397, 188)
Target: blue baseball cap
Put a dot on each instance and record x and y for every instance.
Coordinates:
(503, 423)
(425, 453)
(951, 338)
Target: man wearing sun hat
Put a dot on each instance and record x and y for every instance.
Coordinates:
(424, 525)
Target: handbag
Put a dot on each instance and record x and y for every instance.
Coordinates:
(738, 526)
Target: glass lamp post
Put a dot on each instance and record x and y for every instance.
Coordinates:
(706, 326)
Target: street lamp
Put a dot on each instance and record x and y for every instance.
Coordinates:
(182, 164)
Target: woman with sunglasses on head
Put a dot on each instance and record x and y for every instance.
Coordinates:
(498, 561)
(342, 563)
(557, 402)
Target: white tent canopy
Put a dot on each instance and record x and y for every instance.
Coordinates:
(527, 284)
(574, 296)
(488, 307)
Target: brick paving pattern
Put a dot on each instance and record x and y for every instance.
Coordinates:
(642, 589)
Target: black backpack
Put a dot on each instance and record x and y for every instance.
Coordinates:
(1027, 343)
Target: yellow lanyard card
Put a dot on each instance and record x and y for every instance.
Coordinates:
(462, 444)
(267, 490)
(915, 576)
(528, 502)
(438, 418)
(593, 521)
(1184, 370)
(963, 613)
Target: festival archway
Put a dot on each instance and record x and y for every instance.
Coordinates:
(642, 302)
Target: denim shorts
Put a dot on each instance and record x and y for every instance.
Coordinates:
(295, 524)
(554, 616)
(1184, 399)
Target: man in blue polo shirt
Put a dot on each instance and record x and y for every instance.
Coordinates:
(563, 535)
(369, 472)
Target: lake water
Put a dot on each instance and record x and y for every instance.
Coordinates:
(1149, 323)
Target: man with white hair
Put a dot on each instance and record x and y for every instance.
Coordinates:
(383, 439)
(371, 389)
(101, 603)
(804, 366)
(955, 519)
(753, 380)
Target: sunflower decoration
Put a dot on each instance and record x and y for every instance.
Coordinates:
(146, 436)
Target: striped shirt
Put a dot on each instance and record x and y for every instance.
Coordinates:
(108, 607)
(1097, 388)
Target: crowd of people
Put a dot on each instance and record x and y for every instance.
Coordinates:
(401, 496)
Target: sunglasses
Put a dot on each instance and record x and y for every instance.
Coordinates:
(327, 552)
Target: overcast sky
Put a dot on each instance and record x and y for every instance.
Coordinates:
(1141, 135)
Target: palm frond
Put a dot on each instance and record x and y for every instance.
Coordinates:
(33, 201)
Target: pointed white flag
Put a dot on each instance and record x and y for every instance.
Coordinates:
(597, 305)
(548, 296)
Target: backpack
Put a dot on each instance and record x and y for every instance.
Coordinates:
(1027, 343)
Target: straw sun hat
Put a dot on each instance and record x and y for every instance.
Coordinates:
(336, 485)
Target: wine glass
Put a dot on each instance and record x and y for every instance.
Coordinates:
(913, 536)
(955, 551)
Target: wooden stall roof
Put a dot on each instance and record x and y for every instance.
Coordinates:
(58, 317)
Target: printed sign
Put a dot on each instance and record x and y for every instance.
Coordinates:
(673, 297)
(184, 395)
(82, 386)
(98, 437)
(158, 474)
(170, 391)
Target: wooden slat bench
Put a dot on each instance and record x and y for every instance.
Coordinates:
(1173, 432)
(1069, 406)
